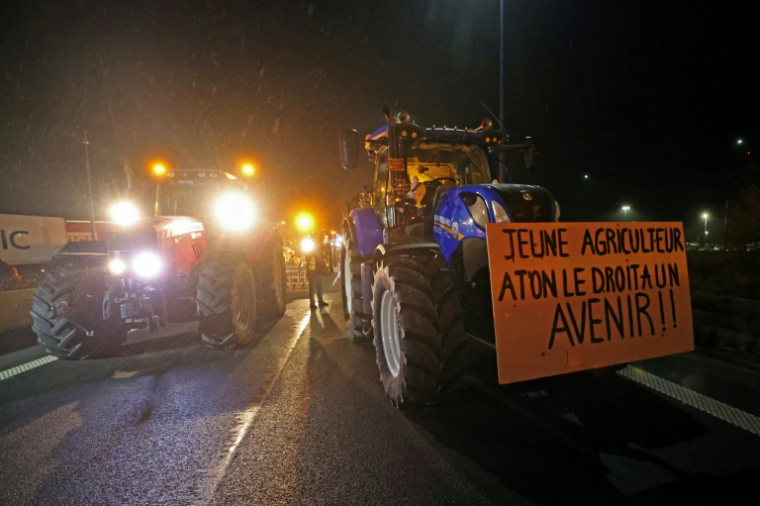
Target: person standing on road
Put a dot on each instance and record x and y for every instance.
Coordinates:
(316, 268)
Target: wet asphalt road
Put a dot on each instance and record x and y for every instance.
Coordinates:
(299, 417)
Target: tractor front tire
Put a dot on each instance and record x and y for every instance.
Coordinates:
(227, 305)
(417, 327)
(351, 291)
(273, 275)
(69, 288)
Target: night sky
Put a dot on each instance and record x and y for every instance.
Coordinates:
(647, 99)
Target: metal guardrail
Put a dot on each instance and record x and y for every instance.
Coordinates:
(728, 322)
(296, 277)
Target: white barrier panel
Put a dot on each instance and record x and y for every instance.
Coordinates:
(14, 309)
(30, 239)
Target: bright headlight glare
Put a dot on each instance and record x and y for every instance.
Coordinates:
(234, 211)
(499, 213)
(307, 245)
(117, 266)
(147, 264)
(124, 213)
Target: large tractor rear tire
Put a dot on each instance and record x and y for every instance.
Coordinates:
(351, 291)
(274, 296)
(418, 329)
(226, 301)
(69, 288)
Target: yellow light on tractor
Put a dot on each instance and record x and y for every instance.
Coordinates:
(248, 170)
(305, 222)
(159, 169)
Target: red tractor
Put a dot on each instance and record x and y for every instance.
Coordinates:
(224, 267)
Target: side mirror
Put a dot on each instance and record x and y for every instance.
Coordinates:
(529, 150)
(530, 153)
(530, 157)
(349, 148)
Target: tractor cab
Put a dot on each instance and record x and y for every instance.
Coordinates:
(212, 195)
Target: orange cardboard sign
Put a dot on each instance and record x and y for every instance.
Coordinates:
(575, 296)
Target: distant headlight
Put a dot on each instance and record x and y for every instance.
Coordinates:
(117, 266)
(124, 213)
(307, 245)
(234, 211)
(147, 264)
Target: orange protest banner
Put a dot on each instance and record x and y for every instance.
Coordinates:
(575, 296)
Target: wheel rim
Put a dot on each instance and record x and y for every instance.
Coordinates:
(243, 309)
(347, 282)
(390, 333)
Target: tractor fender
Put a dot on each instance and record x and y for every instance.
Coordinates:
(366, 229)
(250, 245)
(474, 256)
(388, 250)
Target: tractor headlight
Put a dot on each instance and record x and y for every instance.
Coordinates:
(477, 207)
(307, 245)
(117, 266)
(124, 213)
(499, 213)
(147, 264)
(234, 211)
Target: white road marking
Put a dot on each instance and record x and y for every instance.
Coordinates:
(13, 371)
(246, 417)
(741, 419)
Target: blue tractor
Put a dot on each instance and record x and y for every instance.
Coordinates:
(414, 263)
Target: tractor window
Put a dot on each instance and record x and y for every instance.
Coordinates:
(465, 164)
(188, 200)
(381, 184)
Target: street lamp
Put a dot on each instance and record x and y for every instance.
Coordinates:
(705, 216)
(502, 104)
(740, 142)
(625, 212)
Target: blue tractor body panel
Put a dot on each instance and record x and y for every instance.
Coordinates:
(368, 229)
(453, 222)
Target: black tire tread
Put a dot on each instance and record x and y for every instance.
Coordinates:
(57, 334)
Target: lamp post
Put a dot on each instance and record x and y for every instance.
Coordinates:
(705, 216)
(89, 185)
(625, 212)
(502, 156)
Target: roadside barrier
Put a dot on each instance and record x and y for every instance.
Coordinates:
(296, 277)
(727, 322)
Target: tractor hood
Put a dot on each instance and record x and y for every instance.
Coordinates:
(526, 203)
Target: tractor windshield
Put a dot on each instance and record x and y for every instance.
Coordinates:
(465, 164)
(189, 200)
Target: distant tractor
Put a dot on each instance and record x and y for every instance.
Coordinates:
(415, 265)
(224, 266)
